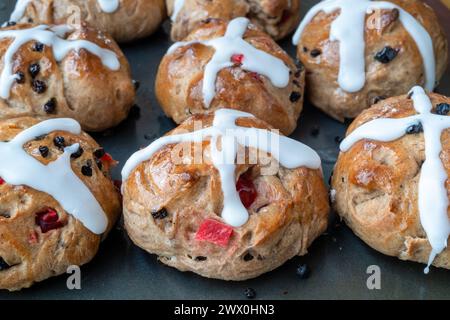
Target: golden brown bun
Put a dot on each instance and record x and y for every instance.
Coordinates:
(382, 80)
(290, 211)
(32, 255)
(376, 186)
(275, 17)
(133, 19)
(83, 88)
(180, 78)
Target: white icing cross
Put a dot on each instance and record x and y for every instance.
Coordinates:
(433, 197)
(51, 37)
(289, 153)
(348, 29)
(19, 10)
(108, 6)
(177, 6)
(57, 179)
(232, 43)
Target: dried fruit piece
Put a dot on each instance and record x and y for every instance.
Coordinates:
(50, 106)
(247, 191)
(48, 220)
(43, 150)
(442, 109)
(386, 55)
(237, 58)
(214, 232)
(4, 265)
(161, 214)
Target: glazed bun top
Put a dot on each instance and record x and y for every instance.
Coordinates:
(276, 17)
(123, 20)
(226, 131)
(56, 71)
(56, 158)
(348, 27)
(357, 52)
(231, 65)
(416, 116)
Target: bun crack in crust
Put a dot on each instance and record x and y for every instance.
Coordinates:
(231, 65)
(216, 197)
(357, 52)
(57, 71)
(56, 199)
(124, 20)
(391, 179)
(278, 18)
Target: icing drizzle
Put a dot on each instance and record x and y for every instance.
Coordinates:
(108, 6)
(433, 198)
(288, 152)
(51, 37)
(57, 179)
(19, 10)
(348, 29)
(177, 6)
(232, 43)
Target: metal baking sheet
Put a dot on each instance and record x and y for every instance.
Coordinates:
(338, 259)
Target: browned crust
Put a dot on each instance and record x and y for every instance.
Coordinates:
(133, 20)
(84, 89)
(36, 256)
(180, 78)
(376, 186)
(275, 17)
(293, 210)
(382, 80)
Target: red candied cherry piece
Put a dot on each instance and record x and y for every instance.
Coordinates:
(215, 232)
(237, 58)
(107, 158)
(285, 17)
(255, 76)
(1, 181)
(48, 220)
(247, 191)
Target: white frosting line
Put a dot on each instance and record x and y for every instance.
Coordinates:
(433, 198)
(109, 6)
(51, 37)
(19, 10)
(348, 28)
(288, 152)
(232, 43)
(177, 6)
(57, 179)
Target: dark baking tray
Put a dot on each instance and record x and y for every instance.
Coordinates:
(338, 259)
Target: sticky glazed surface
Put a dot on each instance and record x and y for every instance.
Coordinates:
(180, 78)
(288, 213)
(276, 17)
(132, 20)
(376, 186)
(79, 86)
(321, 59)
(33, 253)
